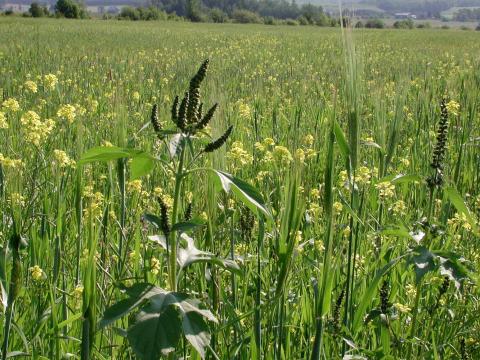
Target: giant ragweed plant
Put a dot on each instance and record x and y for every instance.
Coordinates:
(163, 316)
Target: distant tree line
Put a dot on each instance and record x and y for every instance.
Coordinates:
(467, 15)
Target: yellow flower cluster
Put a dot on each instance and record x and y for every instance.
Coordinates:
(386, 189)
(239, 155)
(308, 140)
(78, 291)
(31, 86)
(453, 107)
(134, 186)
(36, 131)
(136, 95)
(67, 112)
(50, 81)
(399, 208)
(11, 105)
(94, 207)
(154, 265)
(363, 176)
(244, 110)
(37, 273)
(282, 155)
(3, 121)
(62, 159)
(404, 309)
(10, 163)
(460, 221)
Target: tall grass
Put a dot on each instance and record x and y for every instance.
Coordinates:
(337, 133)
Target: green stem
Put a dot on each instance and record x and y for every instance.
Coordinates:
(172, 236)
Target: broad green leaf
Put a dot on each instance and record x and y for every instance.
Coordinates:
(453, 266)
(138, 293)
(190, 254)
(423, 262)
(246, 192)
(140, 166)
(156, 332)
(456, 199)
(105, 153)
(196, 331)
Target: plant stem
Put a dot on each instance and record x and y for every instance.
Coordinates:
(172, 237)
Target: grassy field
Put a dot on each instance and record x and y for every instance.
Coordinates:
(342, 220)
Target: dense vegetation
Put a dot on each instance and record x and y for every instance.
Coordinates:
(327, 207)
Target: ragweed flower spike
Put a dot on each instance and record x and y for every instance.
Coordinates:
(440, 148)
(206, 119)
(217, 144)
(154, 120)
(164, 222)
(182, 113)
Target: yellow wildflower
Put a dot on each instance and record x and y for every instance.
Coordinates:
(308, 140)
(50, 81)
(37, 273)
(11, 105)
(62, 159)
(386, 189)
(36, 131)
(282, 155)
(453, 107)
(3, 121)
(404, 309)
(238, 155)
(134, 186)
(31, 86)
(399, 208)
(337, 207)
(10, 163)
(67, 112)
(78, 291)
(300, 155)
(154, 265)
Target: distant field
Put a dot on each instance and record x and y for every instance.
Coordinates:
(344, 223)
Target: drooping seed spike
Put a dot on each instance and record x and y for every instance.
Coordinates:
(199, 76)
(441, 141)
(206, 119)
(217, 144)
(175, 110)
(157, 127)
(164, 217)
(182, 112)
(199, 112)
(193, 101)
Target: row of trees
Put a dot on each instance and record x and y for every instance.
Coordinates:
(467, 15)
(63, 8)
